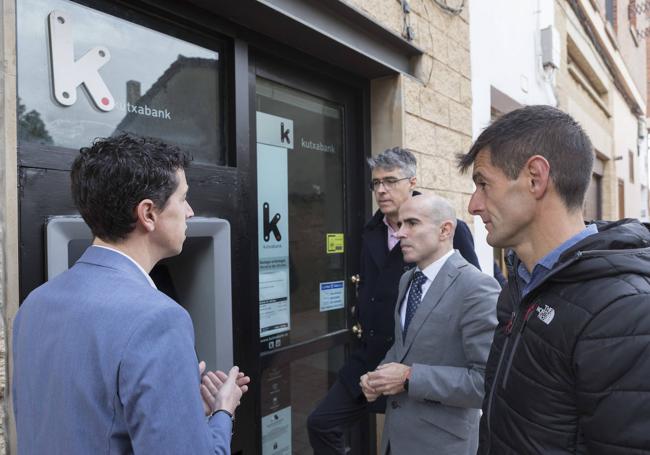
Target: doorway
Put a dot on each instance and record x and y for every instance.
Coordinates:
(310, 201)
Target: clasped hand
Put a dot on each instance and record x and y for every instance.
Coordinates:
(222, 391)
(387, 379)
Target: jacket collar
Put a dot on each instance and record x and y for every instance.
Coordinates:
(104, 257)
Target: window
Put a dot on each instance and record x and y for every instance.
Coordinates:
(84, 74)
(631, 13)
(630, 159)
(610, 12)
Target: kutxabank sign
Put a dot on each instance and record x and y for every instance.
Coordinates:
(84, 74)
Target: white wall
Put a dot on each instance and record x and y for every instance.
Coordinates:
(506, 54)
(625, 140)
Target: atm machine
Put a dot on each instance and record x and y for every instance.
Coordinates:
(198, 278)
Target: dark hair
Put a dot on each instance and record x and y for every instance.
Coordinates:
(539, 130)
(111, 177)
(395, 157)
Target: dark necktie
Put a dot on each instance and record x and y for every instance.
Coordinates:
(415, 297)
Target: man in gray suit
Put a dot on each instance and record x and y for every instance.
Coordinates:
(444, 322)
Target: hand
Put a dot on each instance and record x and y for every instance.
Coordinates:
(388, 379)
(220, 377)
(206, 396)
(211, 383)
(370, 394)
(228, 393)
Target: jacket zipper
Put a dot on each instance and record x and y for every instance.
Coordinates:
(506, 374)
(509, 327)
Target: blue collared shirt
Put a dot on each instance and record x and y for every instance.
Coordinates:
(545, 265)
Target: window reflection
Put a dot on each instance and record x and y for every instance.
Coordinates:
(163, 87)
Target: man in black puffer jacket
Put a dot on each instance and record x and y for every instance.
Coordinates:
(570, 361)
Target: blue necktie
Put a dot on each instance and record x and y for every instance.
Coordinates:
(415, 297)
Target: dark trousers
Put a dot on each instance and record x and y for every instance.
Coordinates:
(337, 412)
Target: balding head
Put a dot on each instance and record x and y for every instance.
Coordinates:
(427, 224)
(439, 208)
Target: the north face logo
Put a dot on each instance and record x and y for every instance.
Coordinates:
(545, 314)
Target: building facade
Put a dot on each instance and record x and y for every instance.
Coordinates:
(279, 102)
(587, 58)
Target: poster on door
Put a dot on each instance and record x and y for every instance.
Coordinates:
(275, 407)
(274, 137)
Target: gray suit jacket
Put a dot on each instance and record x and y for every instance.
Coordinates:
(447, 346)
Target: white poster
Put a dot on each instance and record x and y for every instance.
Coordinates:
(276, 433)
(332, 295)
(274, 137)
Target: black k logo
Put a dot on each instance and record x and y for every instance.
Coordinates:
(284, 134)
(271, 225)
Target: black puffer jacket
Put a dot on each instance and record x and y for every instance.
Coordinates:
(570, 372)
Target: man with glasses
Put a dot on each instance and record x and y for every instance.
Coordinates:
(393, 183)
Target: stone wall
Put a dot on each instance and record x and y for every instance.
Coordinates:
(8, 211)
(436, 106)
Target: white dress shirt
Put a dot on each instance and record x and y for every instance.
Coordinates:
(153, 285)
(431, 271)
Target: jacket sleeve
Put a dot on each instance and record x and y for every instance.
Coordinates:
(463, 386)
(611, 362)
(159, 390)
(464, 243)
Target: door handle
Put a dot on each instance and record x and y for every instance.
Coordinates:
(355, 280)
(357, 330)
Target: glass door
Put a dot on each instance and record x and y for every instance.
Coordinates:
(307, 247)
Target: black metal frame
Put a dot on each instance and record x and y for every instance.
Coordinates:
(225, 191)
(353, 94)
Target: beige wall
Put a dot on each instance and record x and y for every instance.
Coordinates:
(624, 38)
(8, 210)
(430, 114)
(632, 49)
(625, 141)
(588, 91)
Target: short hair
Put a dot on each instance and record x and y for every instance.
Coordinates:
(112, 176)
(539, 130)
(395, 157)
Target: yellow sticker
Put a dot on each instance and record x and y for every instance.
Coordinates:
(335, 243)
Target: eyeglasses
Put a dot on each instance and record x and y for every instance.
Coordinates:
(389, 183)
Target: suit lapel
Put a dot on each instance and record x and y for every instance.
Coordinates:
(431, 299)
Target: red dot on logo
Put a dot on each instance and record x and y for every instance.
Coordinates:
(105, 101)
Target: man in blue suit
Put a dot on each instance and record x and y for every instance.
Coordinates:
(104, 363)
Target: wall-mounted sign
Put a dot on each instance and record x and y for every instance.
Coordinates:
(332, 295)
(335, 243)
(273, 227)
(68, 73)
(109, 75)
(274, 130)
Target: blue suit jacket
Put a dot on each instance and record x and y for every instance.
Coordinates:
(105, 364)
